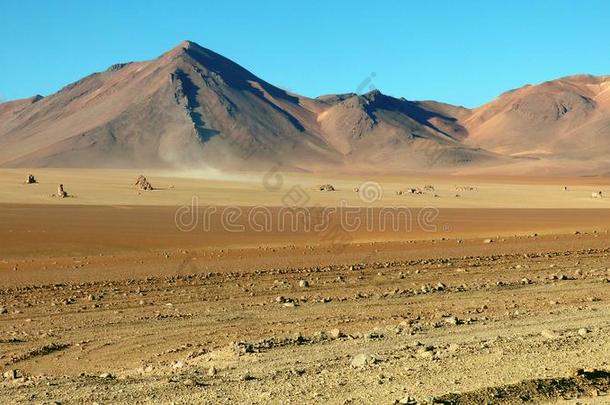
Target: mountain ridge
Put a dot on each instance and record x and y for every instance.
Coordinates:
(193, 107)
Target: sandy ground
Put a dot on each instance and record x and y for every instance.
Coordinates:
(118, 297)
(274, 188)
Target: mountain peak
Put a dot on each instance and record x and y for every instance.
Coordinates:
(183, 47)
(187, 44)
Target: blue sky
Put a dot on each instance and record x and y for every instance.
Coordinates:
(462, 52)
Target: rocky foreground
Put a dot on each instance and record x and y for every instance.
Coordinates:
(504, 326)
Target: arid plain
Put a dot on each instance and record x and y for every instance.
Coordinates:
(259, 287)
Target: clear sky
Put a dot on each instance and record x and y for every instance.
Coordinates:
(462, 52)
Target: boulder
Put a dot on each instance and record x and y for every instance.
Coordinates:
(61, 193)
(143, 184)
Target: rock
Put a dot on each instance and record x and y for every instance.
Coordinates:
(425, 353)
(61, 193)
(372, 335)
(212, 371)
(326, 187)
(583, 332)
(303, 283)
(407, 401)
(335, 333)
(452, 320)
(488, 241)
(549, 334)
(106, 375)
(3, 310)
(12, 374)
(453, 348)
(247, 376)
(577, 372)
(31, 179)
(362, 360)
(143, 184)
(178, 364)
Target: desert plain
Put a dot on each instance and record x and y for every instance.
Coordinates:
(245, 287)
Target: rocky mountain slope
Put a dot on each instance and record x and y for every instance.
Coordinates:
(192, 107)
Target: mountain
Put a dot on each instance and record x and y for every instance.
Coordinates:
(192, 107)
(563, 125)
(568, 117)
(187, 107)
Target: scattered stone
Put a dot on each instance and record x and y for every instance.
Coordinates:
(407, 401)
(453, 348)
(12, 374)
(326, 187)
(452, 320)
(143, 184)
(577, 372)
(362, 360)
(31, 179)
(61, 193)
(425, 352)
(335, 333)
(247, 376)
(373, 335)
(549, 334)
